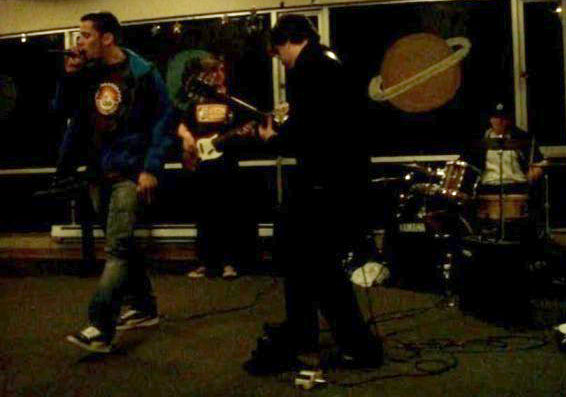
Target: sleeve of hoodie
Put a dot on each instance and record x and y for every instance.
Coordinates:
(161, 124)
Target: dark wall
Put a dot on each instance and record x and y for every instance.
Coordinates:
(545, 72)
(30, 134)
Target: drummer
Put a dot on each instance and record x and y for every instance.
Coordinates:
(511, 158)
(510, 161)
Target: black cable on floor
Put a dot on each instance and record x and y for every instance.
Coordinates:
(216, 312)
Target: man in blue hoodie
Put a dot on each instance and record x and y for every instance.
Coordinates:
(119, 123)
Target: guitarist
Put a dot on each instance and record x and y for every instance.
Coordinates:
(225, 237)
(324, 216)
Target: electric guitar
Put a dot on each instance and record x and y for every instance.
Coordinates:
(207, 146)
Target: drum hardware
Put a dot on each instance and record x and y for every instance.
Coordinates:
(548, 166)
(501, 212)
(386, 181)
(430, 214)
(419, 168)
(447, 272)
(546, 207)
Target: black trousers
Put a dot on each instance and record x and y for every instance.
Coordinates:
(312, 234)
(227, 227)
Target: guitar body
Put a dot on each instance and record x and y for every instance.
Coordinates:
(206, 149)
(210, 119)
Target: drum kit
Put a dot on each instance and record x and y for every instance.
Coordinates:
(445, 202)
(436, 201)
(436, 211)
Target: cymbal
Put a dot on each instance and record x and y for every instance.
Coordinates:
(417, 167)
(385, 181)
(502, 144)
(551, 165)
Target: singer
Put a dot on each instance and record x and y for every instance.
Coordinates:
(120, 123)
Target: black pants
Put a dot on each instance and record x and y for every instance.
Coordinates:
(226, 225)
(311, 237)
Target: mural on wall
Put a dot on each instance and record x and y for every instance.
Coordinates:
(420, 72)
(429, 71)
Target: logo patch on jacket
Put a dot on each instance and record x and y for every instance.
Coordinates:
(107, 98)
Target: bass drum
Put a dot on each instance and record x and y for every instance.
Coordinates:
(427, 214)
(417, 237)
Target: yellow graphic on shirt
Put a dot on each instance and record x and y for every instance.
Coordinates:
(107, 98)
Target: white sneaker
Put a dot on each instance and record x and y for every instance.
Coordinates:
(369, 274)
(199, 272)
(136, 319)
(91, 339)
(229, 272)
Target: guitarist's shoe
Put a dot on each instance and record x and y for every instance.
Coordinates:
(199, 272)
(229, 272)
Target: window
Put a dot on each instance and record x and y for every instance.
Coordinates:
(30, 134)
(486, 71)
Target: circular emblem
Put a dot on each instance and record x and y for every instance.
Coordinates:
(107, 98)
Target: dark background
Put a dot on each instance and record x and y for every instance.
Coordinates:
(487, 71)
(360, 35)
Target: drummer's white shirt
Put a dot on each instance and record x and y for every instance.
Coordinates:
(512, 172)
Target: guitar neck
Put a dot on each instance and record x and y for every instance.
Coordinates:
(244, 105)
(234, 132)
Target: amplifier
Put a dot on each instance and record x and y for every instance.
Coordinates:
(492, 280)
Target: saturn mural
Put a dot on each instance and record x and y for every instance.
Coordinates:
(420, 72)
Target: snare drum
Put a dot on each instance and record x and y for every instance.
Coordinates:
(515, 206)
(459, 182)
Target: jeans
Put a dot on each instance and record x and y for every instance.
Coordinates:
(124, 274)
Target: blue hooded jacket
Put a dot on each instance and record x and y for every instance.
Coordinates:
(142, 142)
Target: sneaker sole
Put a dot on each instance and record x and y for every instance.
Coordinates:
(144, 324)
(90, 348)
(196, 275)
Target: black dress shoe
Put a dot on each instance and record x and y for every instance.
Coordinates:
(369, 356)
(270, 358)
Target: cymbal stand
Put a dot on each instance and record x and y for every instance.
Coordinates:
(501, 213)
(546, 207)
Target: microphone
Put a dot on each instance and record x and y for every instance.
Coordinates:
(67, 53)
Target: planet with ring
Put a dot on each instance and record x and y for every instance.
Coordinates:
(420, 72)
